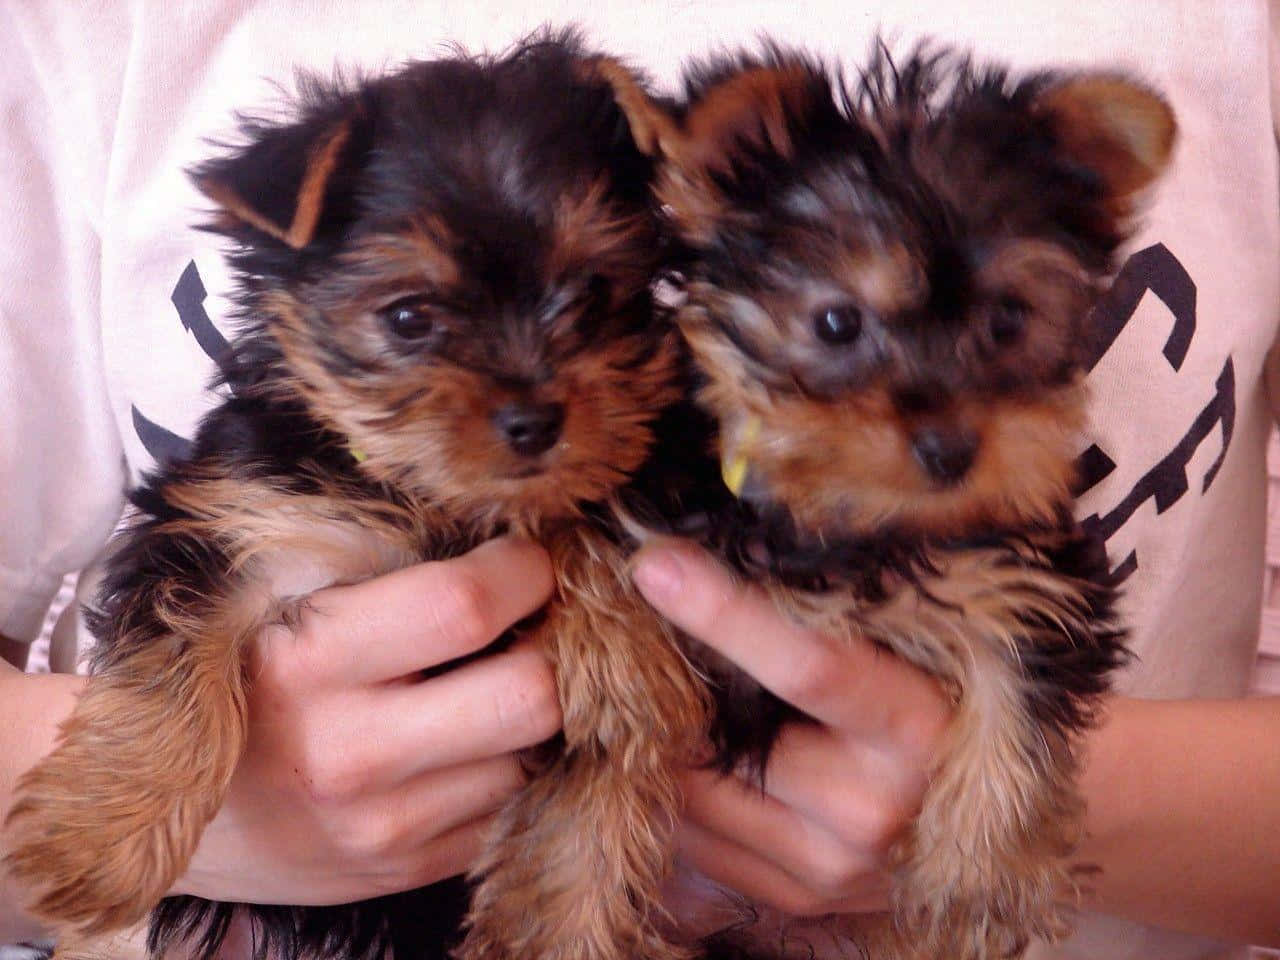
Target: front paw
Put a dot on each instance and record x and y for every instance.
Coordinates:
(102, 827)
(981, 899)
(96, 851)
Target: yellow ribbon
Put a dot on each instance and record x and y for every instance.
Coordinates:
(734, 462)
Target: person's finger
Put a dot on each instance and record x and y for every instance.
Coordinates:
(423, 615)
(491, 706)
(851, 684)
(443, 856)
(864, 794)
(760, 880)
(759, 824)
(448, 855)
(434, 803)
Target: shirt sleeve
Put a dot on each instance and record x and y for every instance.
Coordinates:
(61, 469)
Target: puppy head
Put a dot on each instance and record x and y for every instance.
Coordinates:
(889, 286)
(450, 267)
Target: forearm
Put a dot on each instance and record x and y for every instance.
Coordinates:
(30, 709)
(1184, 815)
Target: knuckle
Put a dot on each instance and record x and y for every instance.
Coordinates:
(530, 708)
(875, 817)
(374, 836)
(882, 824)
(920, 729)
(329, 784)
(463, 609)
(834, 874)
(814, 673)
(309, 622)
(277, 663)
(293, 655)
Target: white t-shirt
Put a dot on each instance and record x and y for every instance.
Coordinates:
(111, 305)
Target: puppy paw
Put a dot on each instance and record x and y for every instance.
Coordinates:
(102, 827)
(977, 889)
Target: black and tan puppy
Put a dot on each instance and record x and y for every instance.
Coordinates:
(446, 332)
(888, 293)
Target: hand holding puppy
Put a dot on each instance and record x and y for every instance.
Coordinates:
(838, 793)
(361, 778)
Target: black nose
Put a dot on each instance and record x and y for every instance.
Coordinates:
(946, 455)
(530, 429)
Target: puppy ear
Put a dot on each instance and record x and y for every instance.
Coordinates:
(754, 110)
(738, 123)
(286, 180)
(1112, 125)
(651, 121)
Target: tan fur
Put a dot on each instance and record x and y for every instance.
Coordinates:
(886, 279)
(925, 415)
(324, 157)
(652, 128)
(588, 230)
(156, 737)
(985, 864)
(433, 436)
(100, 866)
(542, 894)
(172, 715)
(634, 713)
(1123, 130)
(298, 233)
(750, 108)
(396, 263)
(870, 477)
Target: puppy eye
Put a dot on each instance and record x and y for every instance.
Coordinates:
(1008, 321)
(841, 323)
(409, 319)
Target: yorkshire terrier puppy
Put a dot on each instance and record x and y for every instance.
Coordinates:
(446, 333)
(888, 290)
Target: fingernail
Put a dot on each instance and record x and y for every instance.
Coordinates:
(660, 575)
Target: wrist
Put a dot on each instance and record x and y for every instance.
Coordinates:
(1179, 817)
(31, 708)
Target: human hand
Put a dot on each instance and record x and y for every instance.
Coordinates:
(838, 793)
(360, 778)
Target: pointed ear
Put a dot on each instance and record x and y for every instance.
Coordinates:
(652, 122)
(735, 119)
(284, 181)
(755, 109)
(746, 108)
(1112, 125)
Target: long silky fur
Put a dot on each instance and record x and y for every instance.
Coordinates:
(924, 196)
(344, 450)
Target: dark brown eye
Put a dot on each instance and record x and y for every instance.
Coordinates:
(839, 324)
(409, 319)
(1008, 321)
